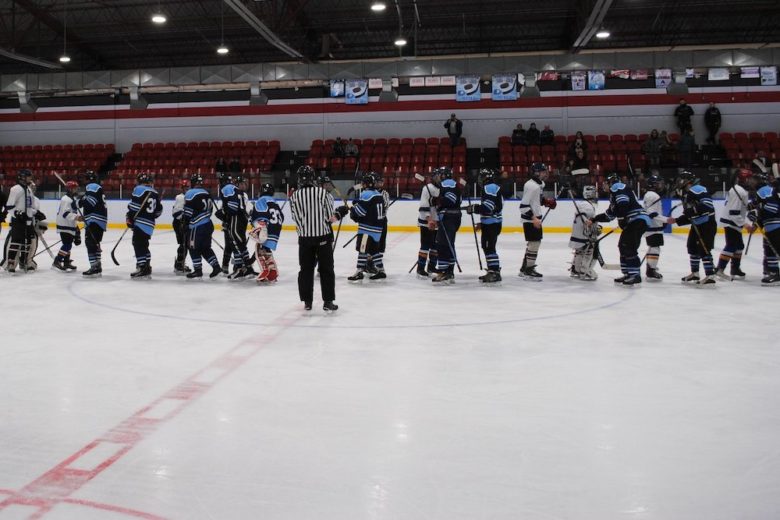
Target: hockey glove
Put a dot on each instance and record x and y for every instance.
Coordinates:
(550, 203)
(39, 216)
(220, 215)
(342, 211)
(77, 238)
(129, 221)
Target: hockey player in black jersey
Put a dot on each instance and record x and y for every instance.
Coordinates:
(380, 187)
(448, 211)
(197, 215)
(235, 220)
(766, 214)
(142, 211)
(228, 252)
(490, 210)
(267, 220)
(181, 231)
(369, 212)
(633, 220)
(93, 204)
(699, 212)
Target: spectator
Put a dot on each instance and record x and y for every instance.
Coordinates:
(685, 149)
(683, 113)
(221, 166)
(547, 136)
(234, 166)
(532, 135)
(712, 120)
(652, 149)
(667, 147)
(578, 144)
(351, 149)
(454, 128)
(578, 168)
(518, 135)
(761, 163)
(338, 148)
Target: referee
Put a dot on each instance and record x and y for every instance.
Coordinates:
(312, 210)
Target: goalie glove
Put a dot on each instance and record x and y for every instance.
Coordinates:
(259, 233)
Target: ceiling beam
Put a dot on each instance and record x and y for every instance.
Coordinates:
(29, 59)
(592, 25)
(262, 29)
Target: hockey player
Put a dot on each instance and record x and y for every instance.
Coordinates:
(20, 204)
(380, 187)
(734, 219)
(427, 222)
(235, 220)
(142, 211)
(531, 216)
(448, 211)
(654, 192)
(699, 212)
(3, 212)
(583, 236)
(197, 216)
(67, 226)
(35, 230)
(180, 230)
(267, 220)
(93, 205)
(767, 215)
(369, 212)
(228, 252)
(633, 220)
(490, 211)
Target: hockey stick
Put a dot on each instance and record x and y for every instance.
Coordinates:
(473, 225)
(47, 249)
(338, 229)
(143, 203)
(444, 232)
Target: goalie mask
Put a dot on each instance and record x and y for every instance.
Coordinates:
(590, 193)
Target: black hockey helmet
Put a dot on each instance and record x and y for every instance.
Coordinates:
(655, 183)
(24, 177)
(537, 168)
(91, 176)
(444, 172)
(144, 178)
(306, 176)
(224, 179)
(239, 179)
(267, 189)
(371, 179)
(323, 180)
(487, 175)
(196, 180)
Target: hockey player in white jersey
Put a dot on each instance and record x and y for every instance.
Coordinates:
(733, 220)
(20, 206)
(180, 230)
(427, 222)
(654, 237)
(583, 236)
(531, 216)
(67, 226)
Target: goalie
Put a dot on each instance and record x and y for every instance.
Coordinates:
(267, 220)
(584, 237)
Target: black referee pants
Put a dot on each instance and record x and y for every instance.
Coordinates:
(316, 251)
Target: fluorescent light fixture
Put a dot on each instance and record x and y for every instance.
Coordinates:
(222, 49)
(159, 18)
(602, 34)
(378, 7)
(400, 41)
(64, 58)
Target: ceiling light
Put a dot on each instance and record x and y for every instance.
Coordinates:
(222, 49)
(64, 58)
(400, 41)
(159, 18)
(602, 34)
(378, 7)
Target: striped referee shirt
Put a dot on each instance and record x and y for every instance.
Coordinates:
(312, 208)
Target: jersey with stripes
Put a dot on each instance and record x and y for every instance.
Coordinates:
(144, 208)
(94, 204)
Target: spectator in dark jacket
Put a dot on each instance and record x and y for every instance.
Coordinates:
(652, 149)
(683, 113)
(221, 166)
(578, 144)
(712, 120)
(518, 135)
(547, 137)
(685, 149)
(338, 147)
(454, 128)
(234, 166)
(532, 135)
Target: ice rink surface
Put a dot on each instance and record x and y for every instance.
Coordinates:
(224, 400)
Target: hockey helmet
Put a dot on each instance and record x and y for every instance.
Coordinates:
(323, 180)
(306, 176)
(196, 180)
(144, 178)
(91, 176)
(590, 193)
(370, 179)
(185, 184)
(744, 175)
(225, 179)
(267, 189)
(537, 168)
(444, 172)
(24, 177)
(487, 175)
(71, 186)
(240, 179)
(655, 183)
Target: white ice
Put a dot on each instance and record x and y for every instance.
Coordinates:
(553, 400)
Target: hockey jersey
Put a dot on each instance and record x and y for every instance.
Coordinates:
(580, 232)
(369, 212)
(233, 202)
(623, 206)
(427, 209)
(449, 199)
(531, 203)
(197, 207)
(697, 207)
(491, 204)
(94, 204)
(267, 210)
(20, 202)
(735, 211)
(652, 205)
(177, 212)
(768, 204)
(67, 216)
(144, 208)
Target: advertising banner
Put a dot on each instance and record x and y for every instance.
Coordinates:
(467, 88)
(504, 87)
